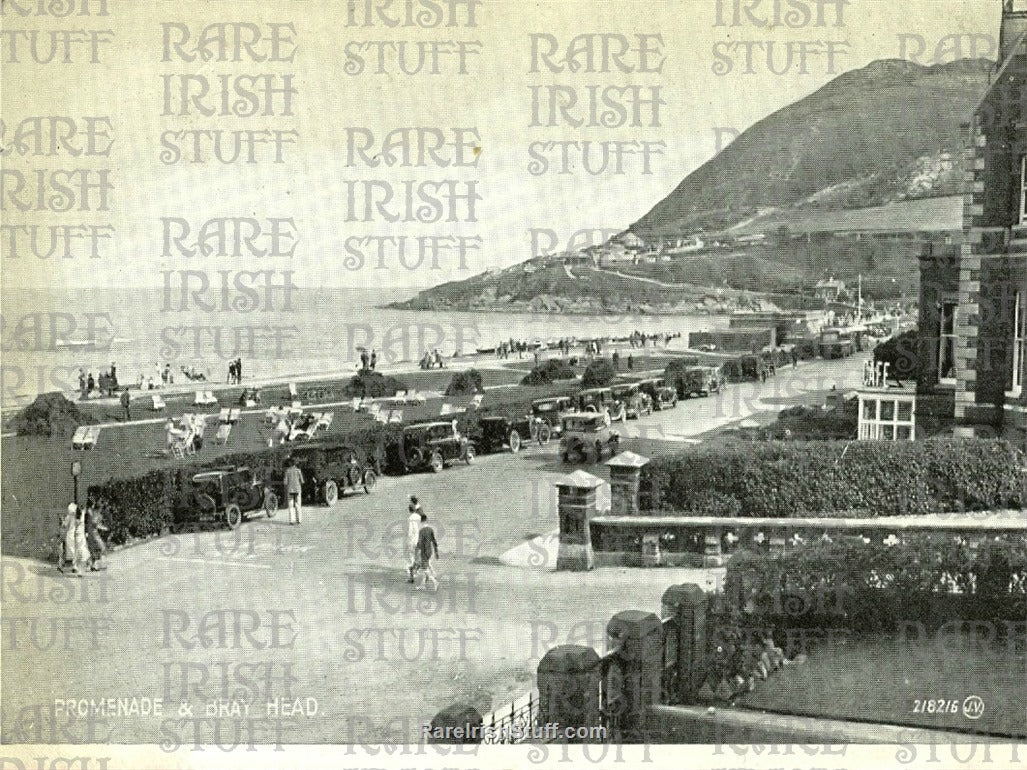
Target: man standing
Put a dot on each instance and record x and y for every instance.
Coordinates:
(413, 531)
(126, 401)
(294, 492)
(374, 358)
(427, 547)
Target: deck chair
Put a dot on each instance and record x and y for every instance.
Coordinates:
(199, 425)
(79, 439)
(200, 398)
(297, 404)
(274, 414)
(210, 398)
(381, 416)
(447, 408)
(223, 414)
(356, 404)
(233, 416)
(415, 398)
(183, 444)
(396, 415)
(324, 422)
(224, 431)
(401, 394)
(158, 402)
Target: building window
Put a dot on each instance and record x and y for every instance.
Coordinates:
(1019, 348)
(886, 418)
(947, 341)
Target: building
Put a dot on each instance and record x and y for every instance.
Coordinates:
(829, 289)
(973, 295)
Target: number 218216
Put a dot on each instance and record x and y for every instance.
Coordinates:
(935, 706)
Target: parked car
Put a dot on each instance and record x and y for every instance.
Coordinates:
(651, 386)
(706, 347)
(666, 398)
(835, 343)
(600, 400)
(754, 368)
(639, 404)
(696, 381)
(551, 410)
(585, 436)
(496, 433)
(223, 495)
(428, 446)
(331, 471)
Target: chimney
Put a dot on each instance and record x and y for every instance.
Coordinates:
(1014, 24)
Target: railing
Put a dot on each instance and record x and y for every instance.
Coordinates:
(516, 723)
(611, 693)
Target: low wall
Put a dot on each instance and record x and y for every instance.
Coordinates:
(695, 724)
(735, 340)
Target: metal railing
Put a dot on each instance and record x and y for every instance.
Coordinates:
(516, 723)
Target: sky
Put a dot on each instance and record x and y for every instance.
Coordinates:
(499, 104)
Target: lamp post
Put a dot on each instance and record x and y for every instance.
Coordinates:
(76, 471)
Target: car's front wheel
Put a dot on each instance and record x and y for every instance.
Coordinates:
(233, 515)
(515, 441)
(469, 453)
(270, 504)
(370, 479)
(545, 433)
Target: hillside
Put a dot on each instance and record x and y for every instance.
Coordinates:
(884, 133)
(876, 150)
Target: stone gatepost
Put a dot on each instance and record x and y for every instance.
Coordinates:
(576, 502)
(458, 723)
(712, 552)
(625, 474)
(568, 686)
(638, 636)
(687, 604)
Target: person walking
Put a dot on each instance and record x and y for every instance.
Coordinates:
(427, 547)
(374, 358)
(74, 547)
(363, 361)
(94, 537)
(413, 530)
(126, 402)
(294, 492)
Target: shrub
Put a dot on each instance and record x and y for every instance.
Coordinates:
(599, 373)
(548, 372)
(927, 578)
(51, 414)
(465, 383)
(373, 385)
(901, 353)
(857, 478)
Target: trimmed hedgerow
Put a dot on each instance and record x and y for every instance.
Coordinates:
(599, 373)
(548, 372)
(862, 478)
(465, 383)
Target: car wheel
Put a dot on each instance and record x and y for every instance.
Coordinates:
(469, 452)
(270, 504)
(331, 493)
(370, 479)
(515, 441)
(233, 515)
(544, 434)
(437, 463)
(415, 458)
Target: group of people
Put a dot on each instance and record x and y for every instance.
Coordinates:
(422, 547)
(431, 359)
(234, 372)
(104, 385)
(639, 339)
(82, 545)
(368, 362)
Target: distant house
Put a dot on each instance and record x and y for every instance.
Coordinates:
(829, 289)
(630, 241)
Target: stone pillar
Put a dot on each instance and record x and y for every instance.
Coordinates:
(625, 473)
(687, 604)
(568, 686)
(576, 503)
(639, 638)
(458, 723)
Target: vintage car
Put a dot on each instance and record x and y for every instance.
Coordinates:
(651, 386)
(600, 400)
(638, 404)
(494, 433)
(836, 343)
(666, 398)
(754, 368)
(223, 495)
(585, 436)
(550, 411)
(428, 446)
(330, 471)
(694, 381)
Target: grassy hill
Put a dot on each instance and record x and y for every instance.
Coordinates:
(884, 133)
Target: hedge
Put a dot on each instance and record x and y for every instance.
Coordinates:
(599, 373)
(549, 372)
(855, 478)
(51, 414)
(926, 578)
(465, 383)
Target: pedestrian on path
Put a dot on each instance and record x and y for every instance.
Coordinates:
(95, 537)
(294, 492)
(427, 547)
(74, 548)
(413, 531)
(126, 401)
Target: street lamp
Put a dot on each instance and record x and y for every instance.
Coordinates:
(76, 471)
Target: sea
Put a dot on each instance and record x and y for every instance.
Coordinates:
(48, 336)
